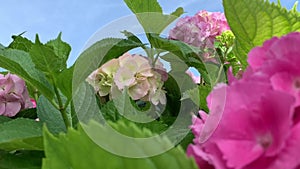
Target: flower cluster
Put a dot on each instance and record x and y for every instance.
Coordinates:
(13, 95)
(134, 72)
(259, 126)
(200, 31)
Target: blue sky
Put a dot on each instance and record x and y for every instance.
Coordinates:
(79, 20)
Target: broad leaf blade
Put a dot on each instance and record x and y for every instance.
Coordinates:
(21, 134)
(45, 59)
(150, 15)
(71, 150)
(21, 160)
(50, 116)
(20, 43)
(64, 82)
(255, 21)
(140, 6)
(20, 63)
(60, 48)
(4, 119)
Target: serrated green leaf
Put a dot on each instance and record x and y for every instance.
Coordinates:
(49, 115)
(150, 15)
(21, 159)
(70, 151)
(20, 63)
(255, 21)
(21, 43)
(45, 59)
(60, 48)
(21, 134)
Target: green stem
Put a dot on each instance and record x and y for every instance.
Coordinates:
(61, 107)
(36, 95)
(219, 74)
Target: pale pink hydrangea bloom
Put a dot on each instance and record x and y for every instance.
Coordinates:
(200, 31)
(133, 72)
(102, 78)
(13, 95)
(260, 124)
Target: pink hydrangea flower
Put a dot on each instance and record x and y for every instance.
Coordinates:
(200, 31)
(142, 80)
(259, 125)
(13, 95)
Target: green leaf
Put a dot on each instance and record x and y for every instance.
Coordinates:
(173, 95)
(125, 107)
(60, 48)
(45, 59)
(110, 113)
(255, 21)
(183, 51)
(49, 115)
(178, 12)
(140, 6)
(27, 113)
(20, 43)
(150, 15)
(21, 134)
(198, 95)
(4, 119)
(70, 151)
(85, 103)
(64, 82)
(21, 159)
(1, 46)
(132, 37)
(20, 63)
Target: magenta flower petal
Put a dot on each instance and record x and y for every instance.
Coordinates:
(289, 157)
(234, 152)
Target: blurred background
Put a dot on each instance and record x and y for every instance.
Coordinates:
(79, 20)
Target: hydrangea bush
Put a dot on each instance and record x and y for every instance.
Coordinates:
(124, 109)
